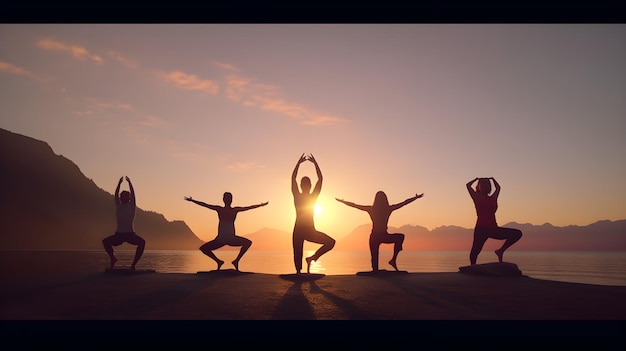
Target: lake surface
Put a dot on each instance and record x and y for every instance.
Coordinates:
(601, 268)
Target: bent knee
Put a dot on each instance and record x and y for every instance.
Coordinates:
(332, 242)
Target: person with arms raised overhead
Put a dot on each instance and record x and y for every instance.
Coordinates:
(304, 228)
(226, 229)
(486, 205)
(379, 212)
(125, 209)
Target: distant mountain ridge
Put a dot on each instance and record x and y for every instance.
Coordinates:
(48, 203)
(603, 235)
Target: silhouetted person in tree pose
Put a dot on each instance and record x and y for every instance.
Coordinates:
(304, 228)
(226, 229)
(125, 208)
(379, 213)
(486, 225)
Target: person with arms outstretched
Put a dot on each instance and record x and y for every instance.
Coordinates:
(125, 209)
(379, 212)
(226, 229)
(304, 228)
(486, 205)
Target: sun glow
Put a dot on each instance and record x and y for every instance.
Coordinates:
(318, 210)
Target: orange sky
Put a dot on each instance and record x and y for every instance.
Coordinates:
(197, 110)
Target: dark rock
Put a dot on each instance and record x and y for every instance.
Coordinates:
(501, 269)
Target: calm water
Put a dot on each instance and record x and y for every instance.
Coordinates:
(602, 268)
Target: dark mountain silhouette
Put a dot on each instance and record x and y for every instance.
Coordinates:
(48, 203)
(600, 236)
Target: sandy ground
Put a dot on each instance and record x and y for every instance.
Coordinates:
(254, 296)
(392, 310)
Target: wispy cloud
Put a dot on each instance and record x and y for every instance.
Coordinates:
(268, 97)
(153, 122)
(190, 82)
(91, 106)
(77, 51)
(226, 66)
(123, 59)
(20, 71)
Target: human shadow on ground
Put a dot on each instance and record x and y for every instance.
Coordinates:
(144, 304)
(442, 296)
(302, 299)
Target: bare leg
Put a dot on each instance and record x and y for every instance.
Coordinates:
(398, 239)
(141, 244)
(298, 248)
(499, 253)
(374, 243)
(108, 247)
(327, 244)
(374, 250)
(207, 250)
(510, 235)
(113, 260)
(477, 245)
(246, 245)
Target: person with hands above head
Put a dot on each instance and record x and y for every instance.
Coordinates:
(304, 228)
(379, 213)
(125, 209)
(486, 205)
(226, 229)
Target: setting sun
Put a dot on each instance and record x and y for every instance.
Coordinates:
(318, 210)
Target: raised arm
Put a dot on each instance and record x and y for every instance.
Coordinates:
(318, 185)
(117, 191)
(132, 191)
(469, 186)
(251, 206)
(405, 202)
(352, 204)
(294, 182)
(203, 204)
(497, 191)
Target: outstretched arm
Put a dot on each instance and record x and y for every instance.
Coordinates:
(203, 204)
(497, 191)
(294, 182)
(352, 204)
(406, 202)
(318, 186)
(117, 191)
(132, 190)
(252, 206)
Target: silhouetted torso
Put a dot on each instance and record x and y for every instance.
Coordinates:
(380, 218)
(486, 207)
(305, 209)
(125, 214)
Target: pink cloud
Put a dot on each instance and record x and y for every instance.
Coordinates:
(190, 82)
(76, 51)
(13, 69)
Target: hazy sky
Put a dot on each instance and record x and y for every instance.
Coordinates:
(197, 110)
